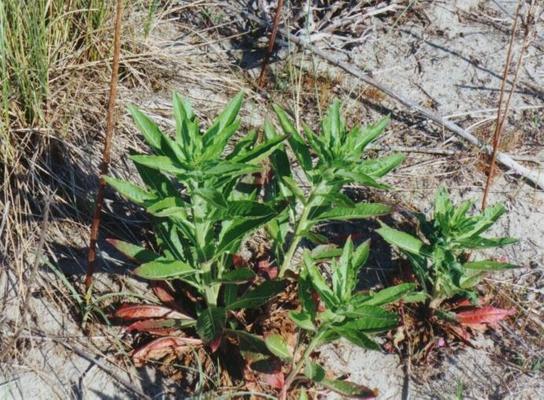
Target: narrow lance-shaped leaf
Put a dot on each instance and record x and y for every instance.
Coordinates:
(295, 140)
(360, 211)
(167, 269)
(403, 240)
(277, 346)
(390, 294)
(132, 251)
(227, 117)
(488, 265)
(129, 190)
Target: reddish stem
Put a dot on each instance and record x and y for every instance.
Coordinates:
(104, 166)
(271, 43)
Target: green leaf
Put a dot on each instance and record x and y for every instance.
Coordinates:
(360, 256)
(258, 296)
(132, 192)
(326, 251)
(369, 318)
(318, 282)
(249, 342)
(358, 338)
(278, 347)
(210, 323)
(260, 151)
(484, 243)
(133, 251)
(342, 274)
(390, 294)
(381, 166)
(314, 371)
(355, 176)
(371, 133)
(216, 148)
(231, 168)
(293, 187)
(303, 320)
(240, 275)
(402, 240)
(235, 232)
(486, 219)
(161, 163)
(360, 211)
(249, 209)
(349, 389)
(157, 181)
(488, 265)
(295, 140)
(147, 127)
(212, 196)
(226, 118)
(182, 114)
(167, 269)
(166, 203)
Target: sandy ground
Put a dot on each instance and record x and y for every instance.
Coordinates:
(448, 57)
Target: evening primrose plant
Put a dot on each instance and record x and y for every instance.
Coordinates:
(201, 212)
(333, 310)
(200, 189)
(328, 161)
(440, 258)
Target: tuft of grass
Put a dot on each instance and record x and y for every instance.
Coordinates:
(38, 39)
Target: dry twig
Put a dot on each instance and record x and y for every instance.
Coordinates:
(91, 256)
(271, 43)
(500, 120)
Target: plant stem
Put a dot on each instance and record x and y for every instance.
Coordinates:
(297, 237)
(298, 366)
(104, 166)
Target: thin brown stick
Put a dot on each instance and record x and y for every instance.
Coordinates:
(271, 43)
(104, 166)
(498, 123)
(536, 177)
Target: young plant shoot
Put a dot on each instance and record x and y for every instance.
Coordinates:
(336, 161)
(440, 260)
(336, 310)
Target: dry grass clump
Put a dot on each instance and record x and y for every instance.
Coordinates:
(55, 57)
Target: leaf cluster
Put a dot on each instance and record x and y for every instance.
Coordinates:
(327, 161)
(439, 258)
(202, 209)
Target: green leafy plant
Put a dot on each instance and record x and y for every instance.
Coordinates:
(337, 161)
(202, 209)
(329, 311)
(201, 191)
(440, 261)
(447, 308)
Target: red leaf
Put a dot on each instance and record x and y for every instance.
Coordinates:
(144, 311)
(276, 380)
(159, 327)
(463, 303)
(161, 347)
(162, 291)
(215, 343)
(482, 316)
(264, 267)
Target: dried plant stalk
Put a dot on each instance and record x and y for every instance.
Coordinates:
(104, 166)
